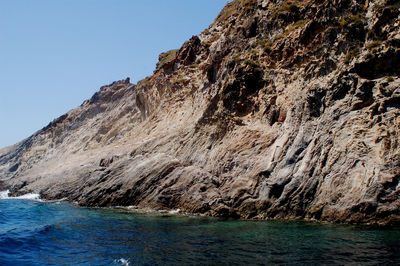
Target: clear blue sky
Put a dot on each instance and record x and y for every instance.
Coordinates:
(54, 54)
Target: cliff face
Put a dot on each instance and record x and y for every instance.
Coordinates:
(280, 109)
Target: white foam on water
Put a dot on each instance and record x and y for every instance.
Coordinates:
(4, 194)
(174, 211)
(29, 196)
(123, 261)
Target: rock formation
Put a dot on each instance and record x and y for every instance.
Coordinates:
(279, 110)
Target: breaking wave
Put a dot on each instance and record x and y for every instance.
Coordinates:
(122, 261)
(4, 194)
(29, 196)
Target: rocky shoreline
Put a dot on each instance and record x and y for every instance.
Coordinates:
(278, 110)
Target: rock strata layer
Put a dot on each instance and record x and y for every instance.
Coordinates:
(278, 110)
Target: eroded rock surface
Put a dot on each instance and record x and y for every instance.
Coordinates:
(279, 110)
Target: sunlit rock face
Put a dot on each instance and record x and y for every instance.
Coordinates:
(279, 110)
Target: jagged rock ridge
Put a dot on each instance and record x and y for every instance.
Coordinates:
(279, 110)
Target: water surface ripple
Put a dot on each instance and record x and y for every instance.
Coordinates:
(38, 233)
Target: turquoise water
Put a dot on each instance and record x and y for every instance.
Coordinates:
(37, 233)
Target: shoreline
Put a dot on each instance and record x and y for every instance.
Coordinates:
(179, 213)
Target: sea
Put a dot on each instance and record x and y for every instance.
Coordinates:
(33, 232)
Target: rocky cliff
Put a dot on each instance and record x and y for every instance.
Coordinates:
(279, 110)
